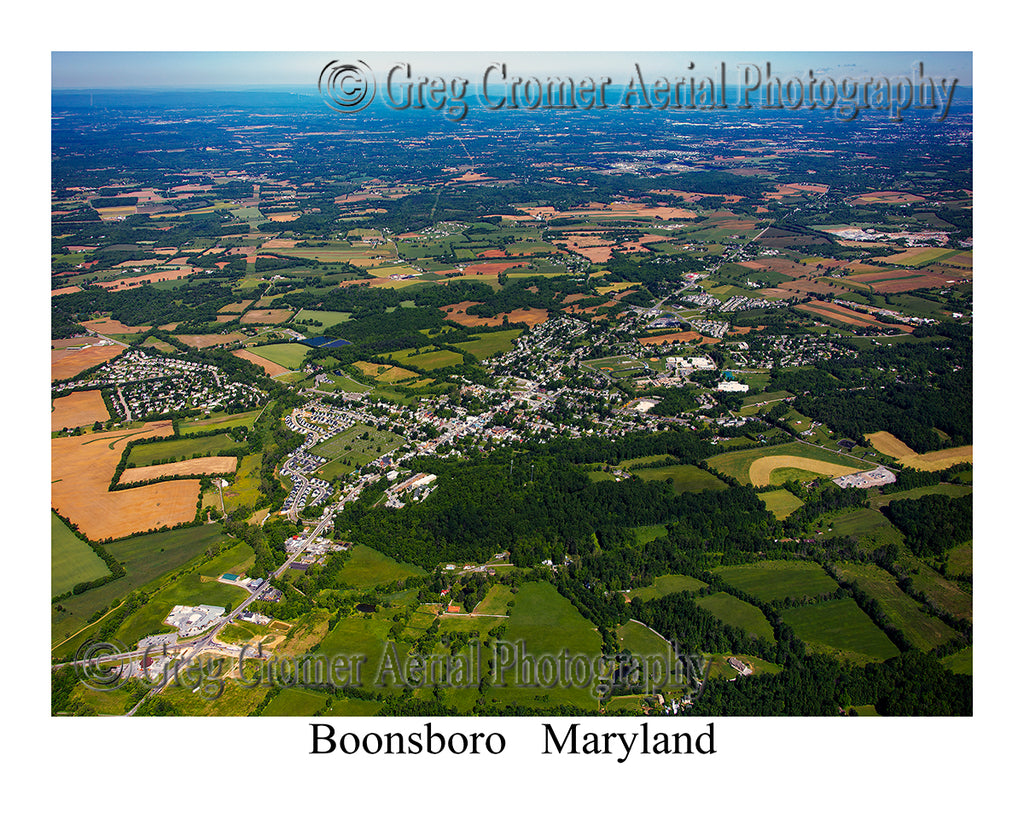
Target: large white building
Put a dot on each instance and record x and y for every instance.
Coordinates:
(732, 386)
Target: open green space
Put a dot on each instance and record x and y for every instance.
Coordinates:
(341, 383)
(193, 588)
(719, 668)
(941, 591)
(288, 355)
(220, 420)
(359, 636)
(960, 562)
(180, 449)
(953, 490)
(367, 567)
(667, 584)
(962, 662)
(645, 534)
(868, 526)
(427, 359)
(495, 601)
(778, 579)
(923, 630)
(295, 702)
(684, 477)
(737, 464)
(236, 700)
(72, 560)
(780, 502)
(353, 708)
(738, 613)
(840, 628)
(326, 318)
(357, 446)
(145, 558)
(488, 344)
(244, 487)
(641, 641)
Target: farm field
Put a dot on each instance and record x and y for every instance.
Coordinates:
(65, 364)
(204, 340)
(224, 465)
(327, 318)
(780, 502)
(245, 486)
(428, 359)
(495, 601)
(285, 355)
(547, 623)
(359, 636)
(738, 613)
(641, 641)
(757, 465)
(279, 316)
(72, 560)
(218, 421)
(81, 469)
(269, 367)
(719, 668)
(79, 409)
(961, 559)
(341, 383)
(383, 374)
(181, 449)
(943, 593)
(193, 588)
(489, 344)
(890, 445)
(778, 579)
(868, 526)
(840, 628)
(684, 477)
(145, 558)
(960, 663)
(367, 568)
(295, 702)
(667, 584)
(951, 489)
(924, 631)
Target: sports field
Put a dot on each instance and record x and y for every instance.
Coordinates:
(72, 560)
(924, 631)
(778, 579)
(756, 466)
(667, 584)
(840, 628)
(739, 614)
(684, 477)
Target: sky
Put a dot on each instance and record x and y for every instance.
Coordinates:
(211, 69)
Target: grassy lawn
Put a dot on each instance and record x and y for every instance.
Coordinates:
(367, 568)
(684, 477)
(840, 628)
(780, 502)
(640, 641)
(495, 601)
(72, 560)
(668, 584)
(779, 579)
(359, 637)
(924, 631)
(288, 355)
(719, 668)
(738, 613)
(342, 383)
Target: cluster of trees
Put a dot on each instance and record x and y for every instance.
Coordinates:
(932, 524)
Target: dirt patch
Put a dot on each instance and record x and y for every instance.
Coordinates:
(210, 339)
(215, 465)
(108, 325)
(267, 316)
(78, 410)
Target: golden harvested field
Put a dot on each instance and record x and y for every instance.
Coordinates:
(267, 316)
(67, 363)
(889, 444)
(210, 339)
(78, 410)
(237, 307)
(269, 367)
(60, 291)
(677, 338)
(81, 469)
(148, 278)
(108, 325)
(214, 465)
(74, 341)
(761, 469)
